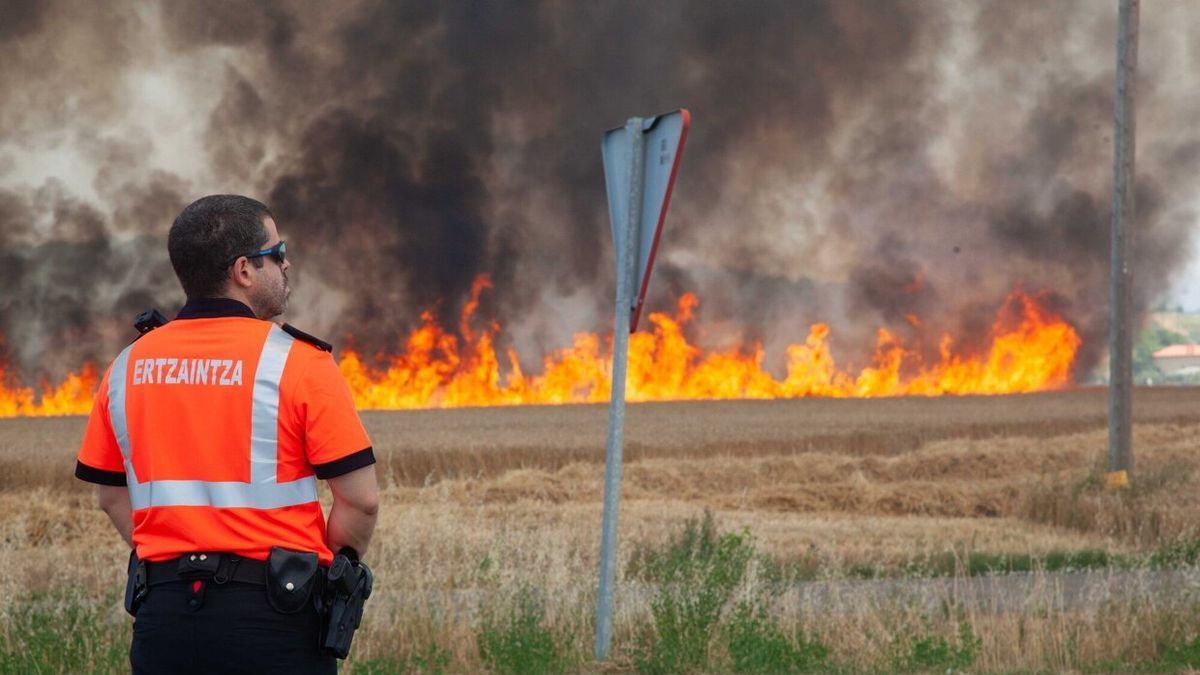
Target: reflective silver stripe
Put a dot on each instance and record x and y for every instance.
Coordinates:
(264, 425)
(116, 411)
(224, 494)
(264, 491)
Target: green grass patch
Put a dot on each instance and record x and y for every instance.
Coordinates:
(954, 563)
(1174, 657)
(935, 652)
(518, 641)
(61, 633)
(1177, 554)
(697, 573)
(756, 644)
(976, 564)
(1180, 656)
(429, 660)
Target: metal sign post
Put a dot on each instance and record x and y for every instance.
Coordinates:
(641, 161)
(626, 260)
(1120, 390)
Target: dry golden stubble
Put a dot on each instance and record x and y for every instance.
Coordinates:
(480, 502)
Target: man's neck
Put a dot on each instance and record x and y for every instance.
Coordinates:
(235, 293)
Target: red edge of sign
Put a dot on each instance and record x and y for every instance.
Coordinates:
(662, 216)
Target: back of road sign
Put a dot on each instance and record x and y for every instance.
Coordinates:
(664, 137)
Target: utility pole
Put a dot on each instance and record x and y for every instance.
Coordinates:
(1120, 451)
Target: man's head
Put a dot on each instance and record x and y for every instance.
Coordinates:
(214, 246)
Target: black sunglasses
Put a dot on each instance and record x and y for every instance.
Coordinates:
(278, 252)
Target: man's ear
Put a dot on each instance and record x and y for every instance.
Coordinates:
(240, 275)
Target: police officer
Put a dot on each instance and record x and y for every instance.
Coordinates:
(206, 440)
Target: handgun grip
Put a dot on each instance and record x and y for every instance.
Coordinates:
(341, 574)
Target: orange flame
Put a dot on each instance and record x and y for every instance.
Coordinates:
(71, 397)
(1033, 352)
(1031, 349)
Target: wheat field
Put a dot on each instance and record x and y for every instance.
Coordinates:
(481, 503)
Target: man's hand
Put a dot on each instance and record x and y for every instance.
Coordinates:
(114, 501)
(355, 508)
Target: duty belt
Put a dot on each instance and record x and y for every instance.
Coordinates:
(220, 567)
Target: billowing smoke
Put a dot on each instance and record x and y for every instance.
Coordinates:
(854, 162)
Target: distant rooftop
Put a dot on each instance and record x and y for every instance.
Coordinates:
(1177, 351)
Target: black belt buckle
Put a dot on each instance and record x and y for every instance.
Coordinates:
(226, 568)
(198, 565)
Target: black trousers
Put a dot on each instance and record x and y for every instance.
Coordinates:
(204, 627)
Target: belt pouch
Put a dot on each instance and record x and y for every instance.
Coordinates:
(198, 565)
(136, 584)
(291, 577)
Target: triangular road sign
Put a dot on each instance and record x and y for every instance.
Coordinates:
(663, 137)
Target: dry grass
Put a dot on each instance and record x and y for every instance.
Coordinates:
(479, 503)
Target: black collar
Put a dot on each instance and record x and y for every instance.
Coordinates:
(212, 308)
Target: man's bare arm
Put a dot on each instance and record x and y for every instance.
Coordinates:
(115, 502)
(355, 508)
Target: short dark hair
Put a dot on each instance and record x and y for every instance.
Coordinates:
(208, 235)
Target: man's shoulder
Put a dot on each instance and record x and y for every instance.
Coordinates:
(306, 338)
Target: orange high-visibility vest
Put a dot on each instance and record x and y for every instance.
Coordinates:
(220, 424)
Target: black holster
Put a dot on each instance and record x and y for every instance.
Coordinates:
(136, 584)
(348, 584)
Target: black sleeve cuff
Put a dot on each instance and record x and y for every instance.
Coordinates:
(99, 476)
(343, 466)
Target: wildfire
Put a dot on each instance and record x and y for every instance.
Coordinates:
(1031, 349)
(72, 397)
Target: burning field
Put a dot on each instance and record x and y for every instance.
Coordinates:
(484, 503)
(1030, 348)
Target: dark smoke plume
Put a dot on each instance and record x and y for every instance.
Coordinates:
(852, 161)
